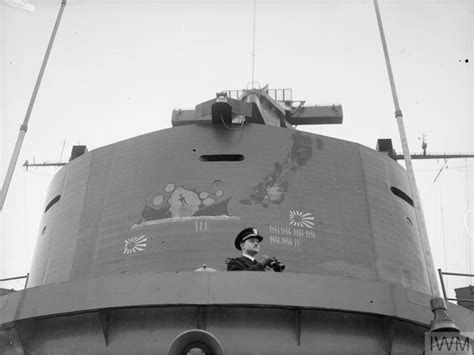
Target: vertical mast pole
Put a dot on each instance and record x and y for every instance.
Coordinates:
(409, 167)
(24, 126)
(253, 41)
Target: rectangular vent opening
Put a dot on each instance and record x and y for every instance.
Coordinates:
(222, 157)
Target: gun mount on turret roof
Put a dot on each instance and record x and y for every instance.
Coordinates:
(262, 106)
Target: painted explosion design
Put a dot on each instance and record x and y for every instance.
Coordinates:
(181, 202)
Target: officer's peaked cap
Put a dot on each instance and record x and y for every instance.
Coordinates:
(246, 234)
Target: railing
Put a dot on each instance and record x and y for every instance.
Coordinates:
(281, 94)
(276, 94)
(441, 273)
(26, 277)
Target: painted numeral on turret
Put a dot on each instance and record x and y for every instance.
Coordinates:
(200, 226)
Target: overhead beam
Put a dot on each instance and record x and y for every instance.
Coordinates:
(435, 156)
(331, 114)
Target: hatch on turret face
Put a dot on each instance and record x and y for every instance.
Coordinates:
(274, 107)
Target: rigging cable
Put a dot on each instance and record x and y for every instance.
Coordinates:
(253, 45)
(444, 234)
(62, 150)
(39, 174)
(25, 224)
(435, 237)
(440, 170)
(467, 223)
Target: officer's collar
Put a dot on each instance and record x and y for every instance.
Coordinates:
(248, 257)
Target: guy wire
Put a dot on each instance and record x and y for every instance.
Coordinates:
(444, 234)
(253, 45)
(468, 222)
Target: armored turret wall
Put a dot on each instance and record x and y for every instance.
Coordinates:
(175, 199)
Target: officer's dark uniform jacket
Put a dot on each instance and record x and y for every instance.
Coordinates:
(242, 263)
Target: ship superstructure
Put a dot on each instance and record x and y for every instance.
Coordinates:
(134, 237)
(131, 230)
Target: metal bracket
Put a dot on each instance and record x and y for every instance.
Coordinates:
(105, 315)
(25, 329)
(389, 326)
(201, 317)
(298, 325)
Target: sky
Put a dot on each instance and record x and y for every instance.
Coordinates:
(118, 68)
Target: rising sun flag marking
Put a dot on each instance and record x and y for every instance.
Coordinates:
(301, 219)
(134, 244)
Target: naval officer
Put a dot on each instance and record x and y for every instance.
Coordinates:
(248, 242)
